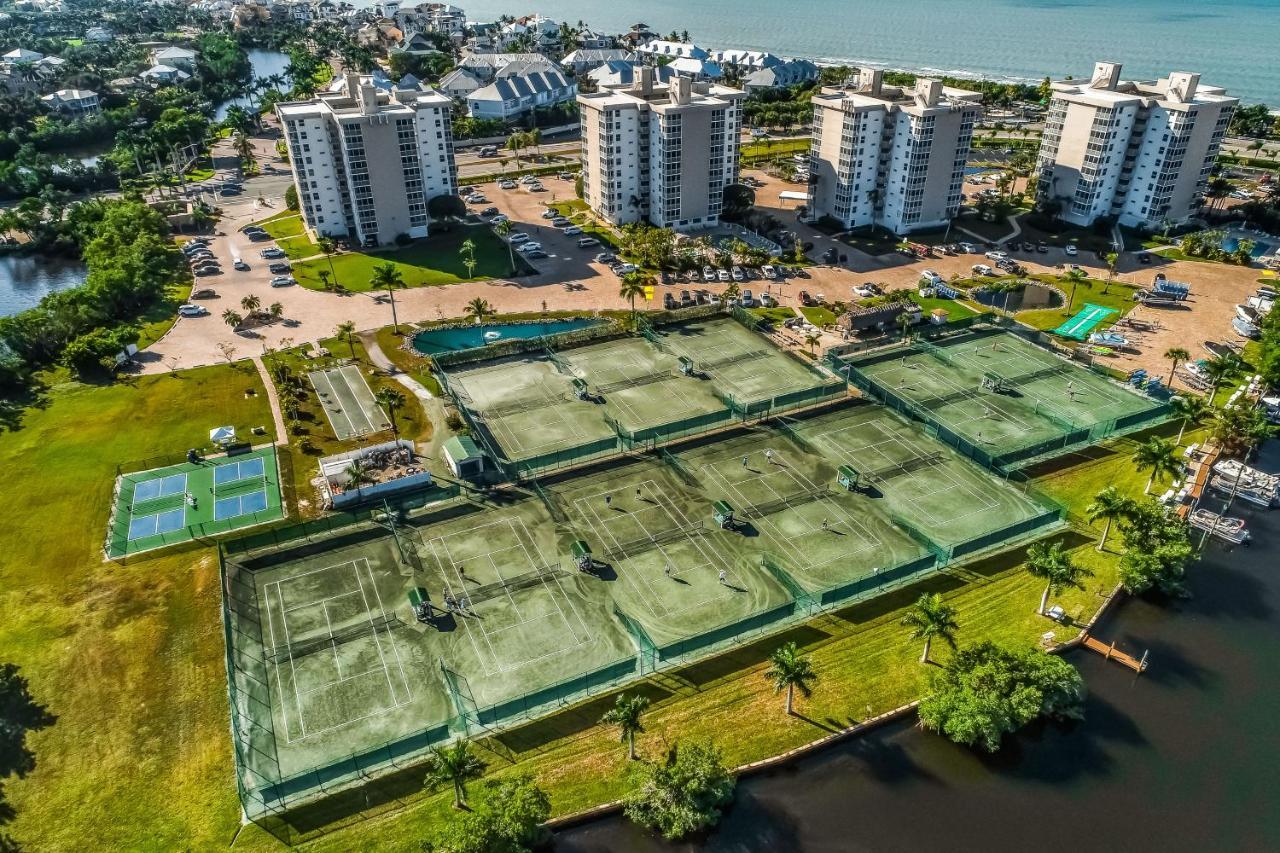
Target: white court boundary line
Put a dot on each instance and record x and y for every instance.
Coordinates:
(556, 595)
(952, 422)
(649, 594)
(299, 695)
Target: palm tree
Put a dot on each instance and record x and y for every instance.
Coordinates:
(1055, 566)
(1189, 408)
(276, 310)
(345, 330)
(1220, 369)
(387, 277)
(244, 150)
(454, 765)
(231, 318)
(392, 400)
(479, 309)
(1075, 277)
(1161, 456)
(1238, 429)
(468, 252)
(502, 229)
(811, 341)
(731, 291)
(633, 286)
(1177, 355)
(251, 304)
(1109, 504)
(931, 617)
(325, 276)
(356, 473)
(625, 714)
(329, 249)
(789, 669)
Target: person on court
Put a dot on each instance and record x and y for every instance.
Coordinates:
(724, 577)
(639, 496)
(768, 456)
(824, 524)
(744, 462)
(608, 501)
(666, 570)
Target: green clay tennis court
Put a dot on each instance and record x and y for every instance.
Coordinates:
(177, 503)
(348, 402)
(1008, 398)
(545, 409)
(335, 676)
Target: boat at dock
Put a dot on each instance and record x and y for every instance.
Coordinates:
(1225, 527)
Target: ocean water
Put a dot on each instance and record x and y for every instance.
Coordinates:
(1230, 42)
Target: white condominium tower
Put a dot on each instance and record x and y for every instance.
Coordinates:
(662, 154)
(366, 163)
(890, 156)
(1140, 152)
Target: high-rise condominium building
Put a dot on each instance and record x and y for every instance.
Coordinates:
(890, 156)
(660, 153)
(1140, 152)
(366, 163)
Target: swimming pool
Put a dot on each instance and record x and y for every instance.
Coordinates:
(432, 341)
(1231, 242)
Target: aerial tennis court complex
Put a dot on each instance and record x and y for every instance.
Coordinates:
(544, 408)
(176, 503)
(579, 584)
(1002, 399)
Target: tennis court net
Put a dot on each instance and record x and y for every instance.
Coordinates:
(935, 403)
(515, 407)
(935, 351)
(778, 504)
(472, 596)
(636, 382)
(303, 648)
(753, 355)
(650, 541)
(910, 466)
(1035, 375)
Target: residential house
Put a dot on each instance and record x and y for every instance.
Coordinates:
(98, 35)
(544, 32)
(622, 75)
(783, 76)
(658, 48)
(477, 70)
(520, 88)
(20, 56)
(426, 17)
(588, 39)
(697, 69)
(417, 44)
(164, 75)
(744, 61)
(586, 59)
(50, 68)
(175, 57)
(73, 103)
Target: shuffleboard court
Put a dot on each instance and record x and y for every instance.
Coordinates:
(1079, 325)
(348, 402)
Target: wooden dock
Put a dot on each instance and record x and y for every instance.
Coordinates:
(1110, 652)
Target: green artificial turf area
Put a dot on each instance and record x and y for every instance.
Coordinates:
(1094, 291)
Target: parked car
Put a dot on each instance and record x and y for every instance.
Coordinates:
(997, 256)
(767, 300)
(603, 257)
(723, 275)
(587, 242)
(240, 265)
(1028, 246)
(529, 246)
(204, 293)
(507, 185)
(273, 252)
(1144, 257)
(190, 310)
(669, 301)
(748, 299)
(279, 267)
(983, 269)
(258, 236)
(565, 176)
(685, 298)
(489, 211)
(806, 299)
(864, 290)
(1071, 250)
(466, 189)
(529, 179)
(536, 187)
(1042, 247)
(229, 191)
(572, 231)
(477, 198)
(283, 281)
(624, 269)
(517, 237)
(708, 274)
(203, 271)
(931, 276)
(968, 248)
(499, 218)
(551, 213)
(536, 253)
(737, 275)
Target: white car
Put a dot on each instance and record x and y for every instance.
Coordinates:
(517, 237)
(931, 275)
(997, 256)
(501, 217)
(283, 281)
(968, 248)
(748, 300)
(983, 269)
(864, 290)
(767, 300)
(768, 271)
(507, 185)
(529, 246)
(737, 274)
(550, 213)
(723, 275)
(625, 269)
(192, 311)
(708, 274)
(572, 230)
(1070, 249)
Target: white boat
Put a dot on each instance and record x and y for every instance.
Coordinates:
(492, 335)
(1234, 469)
(1245, 491)
(1224, 527)
(1108, 339)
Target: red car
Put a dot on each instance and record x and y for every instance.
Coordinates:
(806, 300)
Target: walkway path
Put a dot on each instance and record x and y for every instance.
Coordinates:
(282, 437)
(379, 358)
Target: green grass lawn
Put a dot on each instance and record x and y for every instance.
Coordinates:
(1095, 291)
(287, 223)
(955, 309)
(434, 260)
(156, 322)
(130, 658)
(775, 147)
(313, 436)
(819, 315)
(872, 241)
(776, 316)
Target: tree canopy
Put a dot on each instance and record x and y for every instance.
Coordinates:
(986, 691)
(506, 816)
(682, 793)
